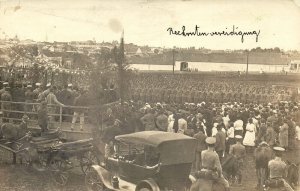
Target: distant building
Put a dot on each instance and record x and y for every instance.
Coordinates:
(295, 66)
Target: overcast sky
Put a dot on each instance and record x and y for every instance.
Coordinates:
(146, 22)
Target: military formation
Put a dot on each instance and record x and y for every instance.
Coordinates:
(181, 89)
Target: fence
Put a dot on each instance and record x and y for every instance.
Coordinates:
(13, 112)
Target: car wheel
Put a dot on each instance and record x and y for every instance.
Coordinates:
(93, 181)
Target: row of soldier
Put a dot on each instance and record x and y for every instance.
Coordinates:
(158, 88)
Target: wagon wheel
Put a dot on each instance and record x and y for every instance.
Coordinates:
(87, 160)
(41, 163)
(93, 181)
(58, 171)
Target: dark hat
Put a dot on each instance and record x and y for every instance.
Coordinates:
(210, 140)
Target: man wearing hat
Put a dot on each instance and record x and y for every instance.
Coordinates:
(42, 96)
(52, 103)
(148, 120)
(6, 106)
(201, 145)
(37, 90)
(29, 96)
(5, 84)
(277, 168)
(42, 115)
(66, 98)
(239, 152)
(210, 161)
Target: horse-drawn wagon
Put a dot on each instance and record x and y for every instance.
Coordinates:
(48, 152)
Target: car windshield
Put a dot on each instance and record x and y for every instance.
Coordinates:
(138, 154)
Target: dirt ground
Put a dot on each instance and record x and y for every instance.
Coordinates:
(15, 178)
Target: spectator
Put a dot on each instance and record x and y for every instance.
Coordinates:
(238, 126)
(230, 136)
(43, 116)
(261, 134)
(161, 121)
(6, 105)
(182, 124)
(52, 102)
(148, 120)
(201, 146)
(270, 135)
(79, 110)
(220, 141)
(283, 134)
(249, 139)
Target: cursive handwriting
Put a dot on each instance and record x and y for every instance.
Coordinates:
(233, 32)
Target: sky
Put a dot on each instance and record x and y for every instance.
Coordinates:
(145, 22)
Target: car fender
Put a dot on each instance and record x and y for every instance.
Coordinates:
(104, 175)
(150, 183)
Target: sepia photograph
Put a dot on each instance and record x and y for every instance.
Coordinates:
(149, 95)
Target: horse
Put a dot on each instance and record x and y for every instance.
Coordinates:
(262, 154)
(230, 167)
(15, 136)
(292, 174)
(13, 132)
(202, 184)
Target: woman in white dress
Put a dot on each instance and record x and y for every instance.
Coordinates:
(298, 131)
(249, 139)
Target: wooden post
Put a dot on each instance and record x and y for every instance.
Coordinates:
(60, 115)
(14, 158)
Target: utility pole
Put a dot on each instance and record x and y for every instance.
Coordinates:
(247, 63)
(173, 54)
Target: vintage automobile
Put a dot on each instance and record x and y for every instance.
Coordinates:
(145, 161)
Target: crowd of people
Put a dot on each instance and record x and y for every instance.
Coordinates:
(238, 128)
(240, 115)
(46, 102)
(19, 99)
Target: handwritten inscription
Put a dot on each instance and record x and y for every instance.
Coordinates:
(234, 31)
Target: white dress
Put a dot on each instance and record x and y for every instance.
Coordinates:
(249, 139)
(170, 126)
(298, 132)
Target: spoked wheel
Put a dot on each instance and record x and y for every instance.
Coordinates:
(59, 171)
(41, 163)
(87, 160)
(93, 181)
(26, 161)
